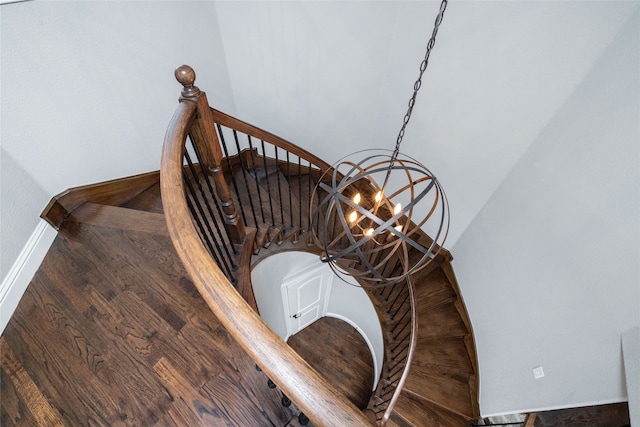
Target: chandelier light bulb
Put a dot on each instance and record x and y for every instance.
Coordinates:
(397, 209)
(356, 199)
(353, 216)
(369, 232)
(378, 196)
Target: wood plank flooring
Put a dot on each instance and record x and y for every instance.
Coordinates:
(339, 353)
(111, 332)
(613, 415)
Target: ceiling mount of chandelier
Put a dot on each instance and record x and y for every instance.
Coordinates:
(374, 207)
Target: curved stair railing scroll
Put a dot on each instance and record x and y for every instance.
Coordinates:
(319, 400)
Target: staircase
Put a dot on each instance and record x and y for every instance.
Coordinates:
(263, 201)
(442, 386)
(249, 196)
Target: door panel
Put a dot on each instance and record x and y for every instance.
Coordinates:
(305, 294)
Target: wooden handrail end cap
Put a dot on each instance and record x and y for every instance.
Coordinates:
(186, 76)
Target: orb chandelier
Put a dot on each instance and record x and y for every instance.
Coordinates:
(376, 207)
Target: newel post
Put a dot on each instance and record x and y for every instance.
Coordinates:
(205, 138)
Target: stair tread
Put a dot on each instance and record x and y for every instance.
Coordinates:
(397, 420)
(267, 209)
(441, 321)
(119, 217)
(149, 200)
(444, 355)
(442, 296)
(419, 412)
(433, 282)
(302, 187)
(451, 391)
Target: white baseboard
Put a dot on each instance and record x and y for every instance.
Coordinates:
(23, 269)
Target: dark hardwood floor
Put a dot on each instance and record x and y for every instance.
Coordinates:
(111, 332)
(613, 415)
(349, 365)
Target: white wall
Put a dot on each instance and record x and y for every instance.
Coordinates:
(549, 267)
(20, 193)
(87, 93)
(25, 238)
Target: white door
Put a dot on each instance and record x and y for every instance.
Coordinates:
(305, 293)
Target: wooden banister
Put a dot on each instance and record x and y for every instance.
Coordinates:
(396, 308)
(412, 346)
(244, 127)
(320, 401)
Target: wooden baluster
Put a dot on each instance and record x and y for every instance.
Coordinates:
(530, 420)
(205, 138)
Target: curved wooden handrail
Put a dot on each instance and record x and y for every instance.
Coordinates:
(395, 363)
(412, 347)
(244, 127)
(320, 401)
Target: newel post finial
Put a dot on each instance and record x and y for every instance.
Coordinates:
(187, 77)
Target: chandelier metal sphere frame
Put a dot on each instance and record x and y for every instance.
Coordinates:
(367, 230)
(363, 229)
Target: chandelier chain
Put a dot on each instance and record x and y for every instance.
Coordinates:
(418, 83)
